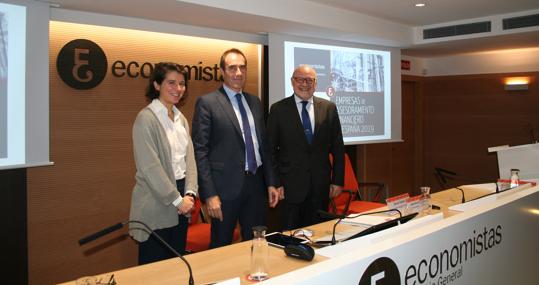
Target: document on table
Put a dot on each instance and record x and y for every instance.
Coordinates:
(361, 223)
(367, 221)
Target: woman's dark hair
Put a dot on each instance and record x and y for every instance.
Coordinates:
(159, 73)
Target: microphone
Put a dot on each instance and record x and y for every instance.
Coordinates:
(441, 173)
(147, 229)
(383, 226)
(100, 233)
(532, 133)
(326, 215)
(329, 216)
(445, 174)
(498, 191)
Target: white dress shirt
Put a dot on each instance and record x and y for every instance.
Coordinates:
(177, 138)
(232, 97)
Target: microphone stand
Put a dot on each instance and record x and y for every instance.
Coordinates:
(444, 174)
(463, 200)
(493, 193)
(342, 216)
(147, 229)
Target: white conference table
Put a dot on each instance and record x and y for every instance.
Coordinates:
(233, 261)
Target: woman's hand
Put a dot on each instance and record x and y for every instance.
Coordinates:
(186, 205)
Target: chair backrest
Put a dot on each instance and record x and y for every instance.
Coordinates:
(195, 214)
(350, 182)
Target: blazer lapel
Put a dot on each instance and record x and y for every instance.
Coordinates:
(318, 113)
(229, 111)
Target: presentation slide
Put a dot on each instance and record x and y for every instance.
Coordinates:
(362, 80)
(3, 85)
(24, 84)
(12, 87)
(357, 80)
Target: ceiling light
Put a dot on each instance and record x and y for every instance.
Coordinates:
(420, 5)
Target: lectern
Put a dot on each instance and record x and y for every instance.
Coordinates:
(523, 157)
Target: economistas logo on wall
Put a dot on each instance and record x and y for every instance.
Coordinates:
(82, 64)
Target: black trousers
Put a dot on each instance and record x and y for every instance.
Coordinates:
(300, 215)
(249, 209)
(153, 250)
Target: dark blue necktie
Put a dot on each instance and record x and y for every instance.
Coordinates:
(306, 121)
(249, 146)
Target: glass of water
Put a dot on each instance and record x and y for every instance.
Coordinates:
(425, 196)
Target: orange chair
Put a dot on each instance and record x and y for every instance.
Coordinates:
(199, 232)
(350, 198)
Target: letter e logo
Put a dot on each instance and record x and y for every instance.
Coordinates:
(382, 271)
(81, 64)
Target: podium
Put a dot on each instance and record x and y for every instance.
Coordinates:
(522, 157)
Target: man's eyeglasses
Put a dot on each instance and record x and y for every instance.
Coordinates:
(301, 80)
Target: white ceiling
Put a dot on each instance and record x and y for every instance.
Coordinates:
(436, 11)
(279, 16)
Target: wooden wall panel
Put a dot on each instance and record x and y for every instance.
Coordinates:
(455, 120)
(465, 115)
(89, 187)
(404, 155)
(398, 164)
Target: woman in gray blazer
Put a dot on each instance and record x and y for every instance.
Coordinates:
(166, 179)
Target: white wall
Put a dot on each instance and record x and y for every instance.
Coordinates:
(417, 66)
(353, 26)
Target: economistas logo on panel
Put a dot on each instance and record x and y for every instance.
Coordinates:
(81, 64)
(382, 271)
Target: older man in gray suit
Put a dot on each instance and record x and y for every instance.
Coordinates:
(233, 161)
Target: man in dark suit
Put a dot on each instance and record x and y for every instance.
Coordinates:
(233, 160)
(303, 130)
